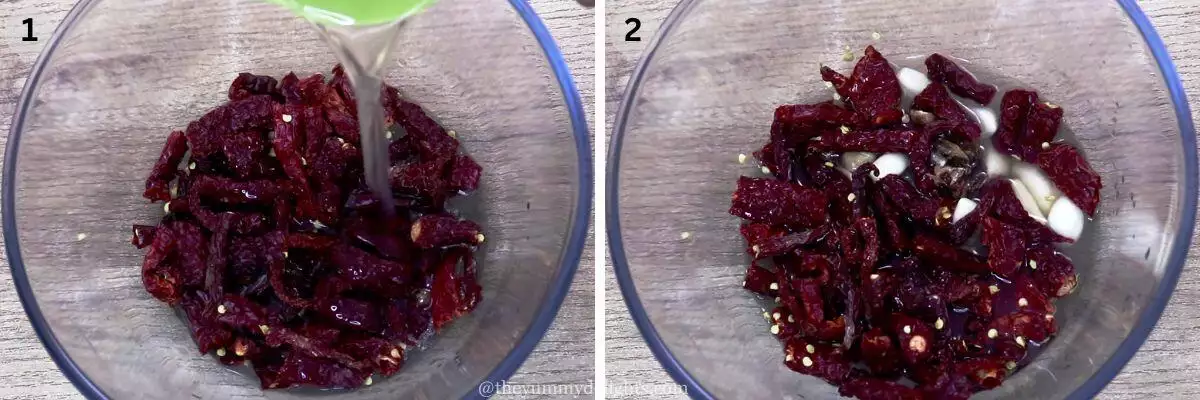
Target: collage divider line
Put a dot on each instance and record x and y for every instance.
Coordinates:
(598, 209)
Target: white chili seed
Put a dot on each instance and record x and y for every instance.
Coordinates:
(917, 344)
(847, 55)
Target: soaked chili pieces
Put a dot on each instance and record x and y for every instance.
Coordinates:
(958, 80)
(876, 287)
(280, 257)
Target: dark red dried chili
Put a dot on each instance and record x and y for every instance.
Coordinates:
(1073, 175)
(775, 202)
(280, 257)
(876, 270)
(961, 82)
(872, 89)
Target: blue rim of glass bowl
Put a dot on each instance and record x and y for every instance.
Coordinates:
(1145, 324)
(568, 260)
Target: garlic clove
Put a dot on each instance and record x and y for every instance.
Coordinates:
(1039, 185)
(1066, 218)
(1027, 201)
(891, 164)
(987, 121)
(964, 208)
(912, 81)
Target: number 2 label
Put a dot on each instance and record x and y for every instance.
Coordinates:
(637, 24)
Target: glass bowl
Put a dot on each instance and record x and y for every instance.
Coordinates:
(117, 77)
(705, 91)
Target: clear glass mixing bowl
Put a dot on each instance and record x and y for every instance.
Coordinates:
(117, 77)
(706, 89)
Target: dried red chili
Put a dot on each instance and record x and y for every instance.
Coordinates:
(280, 257)
(876, 270)
(1073, 175)
(872, 89)
(961, 82)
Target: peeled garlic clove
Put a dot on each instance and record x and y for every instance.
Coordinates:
(891, 164)
(912, 81)
(1039, 185)
(922, 118)
(964, 208)
(997, 164)
(1027, 200)
(851, 160)
(1066, 218)
(987, 121)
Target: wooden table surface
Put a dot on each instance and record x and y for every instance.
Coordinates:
(565, 355)
(1168, 364)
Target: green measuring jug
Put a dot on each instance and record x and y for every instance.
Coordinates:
(354, 12)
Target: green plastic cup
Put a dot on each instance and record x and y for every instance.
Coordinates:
(354, 12)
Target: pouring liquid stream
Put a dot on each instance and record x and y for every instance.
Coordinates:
(364, 51)
(361, 34)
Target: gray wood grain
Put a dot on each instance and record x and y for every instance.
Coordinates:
(1167, 365)
(565, 355)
